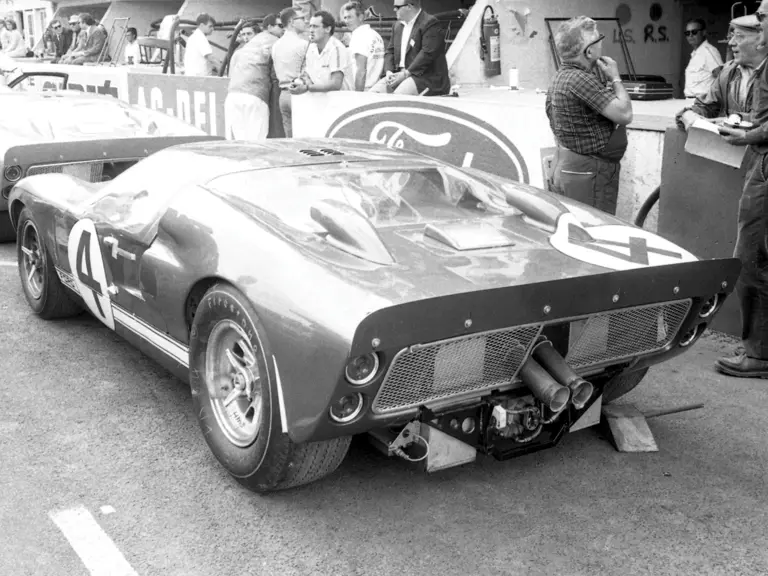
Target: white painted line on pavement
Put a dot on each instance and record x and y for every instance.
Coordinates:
(9, 264)
(97, 550)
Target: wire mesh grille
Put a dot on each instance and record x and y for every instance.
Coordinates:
(88, 171)
(621, 334)
(430, 372)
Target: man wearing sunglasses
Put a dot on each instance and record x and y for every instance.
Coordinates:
(752, 238)
(414, 61)
(735, 89)
(60, 40)
(588, 117)
(705, 62)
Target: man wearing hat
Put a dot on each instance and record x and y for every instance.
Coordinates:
(734, 90)
(752, 239)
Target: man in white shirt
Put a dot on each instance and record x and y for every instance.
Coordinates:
(328, 66)
(132, 52)
(198, 55)
(365, 46)
(705, 60)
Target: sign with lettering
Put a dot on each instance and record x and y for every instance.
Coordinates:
(196, 100)
(108, 80)
(489, 135)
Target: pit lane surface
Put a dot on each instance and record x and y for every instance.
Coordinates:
(88, 422)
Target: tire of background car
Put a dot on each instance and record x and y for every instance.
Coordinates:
(227, 340)
(44, 292)
(622, 384)
(7, 233)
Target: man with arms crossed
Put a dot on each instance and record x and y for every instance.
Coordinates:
(588, 117)
(752, 240)
(365, 46)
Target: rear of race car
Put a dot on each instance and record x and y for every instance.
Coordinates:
(508, 371)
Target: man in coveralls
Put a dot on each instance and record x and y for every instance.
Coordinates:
(751, 243)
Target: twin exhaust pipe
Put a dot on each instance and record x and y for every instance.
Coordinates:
(552, 381)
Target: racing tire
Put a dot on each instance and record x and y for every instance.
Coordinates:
(228, 348)
(7, 233)
(622, 384)
(45, 293)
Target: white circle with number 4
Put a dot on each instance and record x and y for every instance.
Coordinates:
(87, 266)
(615, 246)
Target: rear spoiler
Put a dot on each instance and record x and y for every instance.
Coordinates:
(19, 159)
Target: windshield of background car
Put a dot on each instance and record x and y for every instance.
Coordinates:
(385, 195)
(73, 118)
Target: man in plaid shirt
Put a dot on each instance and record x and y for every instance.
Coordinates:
(588, 117)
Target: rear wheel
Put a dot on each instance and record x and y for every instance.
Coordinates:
(45, 293)
(622, 385)
(235, 399)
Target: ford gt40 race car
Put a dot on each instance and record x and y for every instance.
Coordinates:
(312, 290)
(75, 119)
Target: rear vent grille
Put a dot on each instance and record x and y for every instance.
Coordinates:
(321, 152)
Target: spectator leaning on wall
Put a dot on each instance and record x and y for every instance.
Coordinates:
(328, 66)
(705, 60)
(252, 76)
(735, 89)
(587, 117)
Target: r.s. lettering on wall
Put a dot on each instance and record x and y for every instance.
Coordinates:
(653, 32)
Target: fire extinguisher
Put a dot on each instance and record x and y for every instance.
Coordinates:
(490, 42)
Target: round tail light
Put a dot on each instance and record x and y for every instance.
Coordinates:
(346, 408)
(362, 369)
(13, 173)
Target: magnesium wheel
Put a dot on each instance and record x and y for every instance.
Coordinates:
(43, 290)
(622, 384)
(6, 228)
(234, 395)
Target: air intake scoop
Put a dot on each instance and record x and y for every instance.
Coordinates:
(469, 235)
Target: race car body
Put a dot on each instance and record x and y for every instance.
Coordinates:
(71, 118)
(312, 290)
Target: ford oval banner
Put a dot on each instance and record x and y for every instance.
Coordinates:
(509, 141)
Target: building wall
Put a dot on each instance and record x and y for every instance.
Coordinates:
(652, 28)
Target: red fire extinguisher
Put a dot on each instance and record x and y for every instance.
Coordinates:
(490, 42)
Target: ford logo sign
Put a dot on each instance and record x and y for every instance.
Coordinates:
(438, 131)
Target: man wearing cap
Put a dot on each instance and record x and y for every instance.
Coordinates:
(752, 239)
(734, 91)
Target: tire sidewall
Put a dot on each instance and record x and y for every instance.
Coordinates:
(37, 304)
(223, 302)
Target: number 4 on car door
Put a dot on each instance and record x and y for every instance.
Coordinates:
(87, 266)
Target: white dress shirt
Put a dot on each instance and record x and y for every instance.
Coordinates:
(407, 29)
(698, 73)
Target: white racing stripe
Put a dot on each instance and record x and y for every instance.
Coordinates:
(171, 347)
(8, 264)
(94, 547)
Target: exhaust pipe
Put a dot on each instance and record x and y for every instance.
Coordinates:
(557, 367)
(544, 387)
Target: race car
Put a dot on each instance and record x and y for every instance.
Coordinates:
(313, 290)
(71, 118)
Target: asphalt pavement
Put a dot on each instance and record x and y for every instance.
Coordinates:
(103, 470)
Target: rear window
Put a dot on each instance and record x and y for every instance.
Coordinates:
(386, 196)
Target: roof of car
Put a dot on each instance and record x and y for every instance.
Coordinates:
(284, 152)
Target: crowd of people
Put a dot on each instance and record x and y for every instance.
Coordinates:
(296, 54)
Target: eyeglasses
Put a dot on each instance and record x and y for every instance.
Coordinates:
(279, 25)
(398, 6)
(760, 15)
(588, 46)
(57, 27)
(692, 32)
(739, 37)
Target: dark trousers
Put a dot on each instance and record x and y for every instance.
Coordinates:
(751, 249)
(587, 179)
